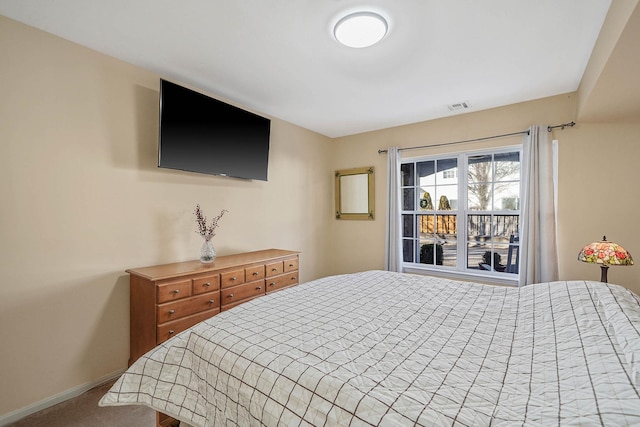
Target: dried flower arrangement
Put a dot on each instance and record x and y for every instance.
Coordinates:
(207, 231)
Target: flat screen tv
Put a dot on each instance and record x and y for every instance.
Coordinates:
(205, 135)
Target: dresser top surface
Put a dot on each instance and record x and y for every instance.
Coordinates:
(167, 271)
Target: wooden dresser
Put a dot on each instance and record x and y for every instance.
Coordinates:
(167, 299)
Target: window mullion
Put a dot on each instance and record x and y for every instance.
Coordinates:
(462, 213)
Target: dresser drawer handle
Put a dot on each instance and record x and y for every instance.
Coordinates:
(171, 311)
(258, 288)
(255, 273)
(171, 332)
(230, 296)
(274, 269)
(290, 265)
(211, 301)
(233, 278)
(272, 284)
(175, 291)
(293, 277)
(206, 285)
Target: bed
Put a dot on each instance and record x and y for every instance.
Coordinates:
(387, 349)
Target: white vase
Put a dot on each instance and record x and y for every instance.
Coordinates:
(207, 252)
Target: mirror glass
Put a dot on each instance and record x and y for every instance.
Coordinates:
(354, 193)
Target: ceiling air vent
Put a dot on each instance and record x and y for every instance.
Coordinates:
(464, 105)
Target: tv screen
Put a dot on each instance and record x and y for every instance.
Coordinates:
(205, 135)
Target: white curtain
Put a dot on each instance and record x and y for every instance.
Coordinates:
(393, 238)
(539, 252)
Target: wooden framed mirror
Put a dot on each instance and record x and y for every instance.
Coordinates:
(355, 193)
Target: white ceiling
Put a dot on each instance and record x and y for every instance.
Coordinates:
(279, 58)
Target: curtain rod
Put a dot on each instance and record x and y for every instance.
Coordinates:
(562, 126)
(522, 132)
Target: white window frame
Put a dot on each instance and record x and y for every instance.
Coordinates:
(460, 271)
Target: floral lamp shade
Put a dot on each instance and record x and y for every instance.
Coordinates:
(605, 253)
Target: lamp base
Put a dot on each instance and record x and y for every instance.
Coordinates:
(603, 274)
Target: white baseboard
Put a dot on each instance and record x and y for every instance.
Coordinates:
(18, 414)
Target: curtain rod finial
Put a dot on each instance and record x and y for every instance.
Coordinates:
(562, 126)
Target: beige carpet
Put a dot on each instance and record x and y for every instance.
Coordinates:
(83, 411)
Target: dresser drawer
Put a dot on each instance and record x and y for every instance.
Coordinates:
(275, 283)
(274, 268)
(170, 329)
(206, 284)
(174, 290)
(175, 310)
(254, 273)
(240, 292)
(232, 278)
(290, 265)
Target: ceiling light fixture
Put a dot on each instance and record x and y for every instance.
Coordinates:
(360, 29)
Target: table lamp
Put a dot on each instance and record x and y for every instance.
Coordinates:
(605, 253)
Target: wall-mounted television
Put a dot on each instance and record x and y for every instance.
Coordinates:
(202, 134)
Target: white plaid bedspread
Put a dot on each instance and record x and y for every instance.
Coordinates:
(388, 349)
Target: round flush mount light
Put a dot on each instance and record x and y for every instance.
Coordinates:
(360, 29)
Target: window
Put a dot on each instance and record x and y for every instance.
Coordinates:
(461, 213)
(449, 174)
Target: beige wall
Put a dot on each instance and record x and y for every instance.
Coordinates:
(598, 180)
(598, 195)
(609, 87)
(82, 200)
(366, 239)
